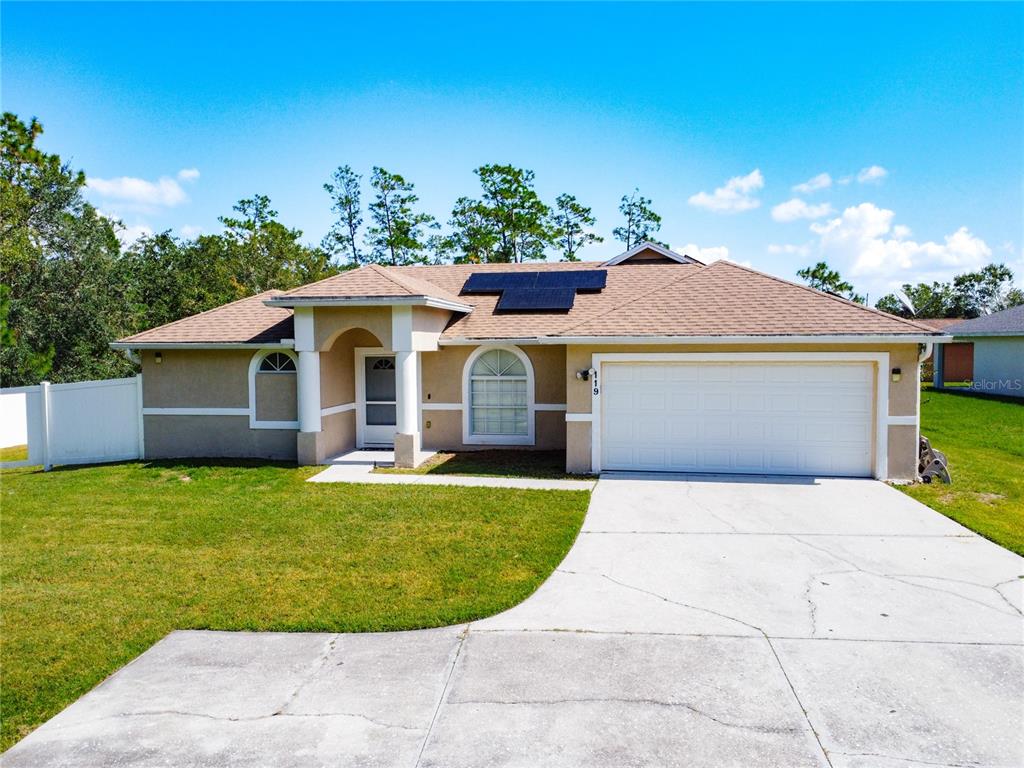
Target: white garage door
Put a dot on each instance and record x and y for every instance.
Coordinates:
(749, 418)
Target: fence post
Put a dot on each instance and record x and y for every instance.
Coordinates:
(142, 422)
(44, 418)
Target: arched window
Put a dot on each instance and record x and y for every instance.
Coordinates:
(498, 395)
(277, 362)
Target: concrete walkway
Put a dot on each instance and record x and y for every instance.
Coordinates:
(696, 622)
(358, 466)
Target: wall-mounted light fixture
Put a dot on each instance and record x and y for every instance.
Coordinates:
(158, 357)
(897, 374)
(583, 375)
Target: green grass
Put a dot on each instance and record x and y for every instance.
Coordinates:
(548, 465)
(14, 453)
(983, 439)
(100, 562)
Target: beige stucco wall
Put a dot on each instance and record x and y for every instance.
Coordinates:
(902, 452)
(442, 431)
(331, 322)
(903, 395)
(337, 367)
(442, 373)
(214, 379)
(172, 437)
(196, 378)
(276, 397)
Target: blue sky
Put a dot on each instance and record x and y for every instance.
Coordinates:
(924, 103)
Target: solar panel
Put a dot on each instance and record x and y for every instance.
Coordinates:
(581, 280)
(537, 299)
(536, 290)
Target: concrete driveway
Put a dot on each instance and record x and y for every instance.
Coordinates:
(697, 622)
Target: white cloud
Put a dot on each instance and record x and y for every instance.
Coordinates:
(188, 231)
(821, 181)
(128, 235)
(165, 192)
(188, 174)
(737, 195)
(864, 243)
(709, 254)
(872, 174)
(789, 249)
(794, 209)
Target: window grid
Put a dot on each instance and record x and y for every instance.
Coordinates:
(498, 396)
(277, 362)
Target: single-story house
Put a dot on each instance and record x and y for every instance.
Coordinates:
(997, 344)
(650, 361)
(957, 356)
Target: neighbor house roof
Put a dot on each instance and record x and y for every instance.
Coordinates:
(939, 323)
(1009, 322)
(246, 321)
(640, 299)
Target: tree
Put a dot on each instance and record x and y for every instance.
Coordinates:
(396, 237)
(823, 278)
(641, 221)
(345, 197)
(264, 254)
(509, 223)
(60, 304)
(474, 239)
(571, 220)
(968, 295)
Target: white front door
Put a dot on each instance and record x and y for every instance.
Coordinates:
(747, 418)
(377, 409)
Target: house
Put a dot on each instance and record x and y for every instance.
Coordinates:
(957, 356)
(997, 343)
(650, 361)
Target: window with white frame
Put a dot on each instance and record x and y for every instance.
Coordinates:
(277, 362)
(498, 402)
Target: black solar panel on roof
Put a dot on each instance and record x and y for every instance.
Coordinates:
(537, 290)
(537, 299)
(494, 282)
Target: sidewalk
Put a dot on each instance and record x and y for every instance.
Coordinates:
(357, 467)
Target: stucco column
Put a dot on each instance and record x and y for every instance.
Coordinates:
(309, 391)
(407, 390)
(406, 376)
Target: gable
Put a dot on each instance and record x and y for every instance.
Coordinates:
(651, 253)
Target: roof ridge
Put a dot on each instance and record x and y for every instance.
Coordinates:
(393, 279)
(275, 291)
(816, 292)
(415, 285)
(617, 307)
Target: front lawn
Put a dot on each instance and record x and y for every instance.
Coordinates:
(984, 442)
(100, 562)
(548, 465)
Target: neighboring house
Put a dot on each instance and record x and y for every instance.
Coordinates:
(651, 361)
(957, 357)
(998, 349)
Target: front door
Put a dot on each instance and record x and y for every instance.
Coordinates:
(378, 411)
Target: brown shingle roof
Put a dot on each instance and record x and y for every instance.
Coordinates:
(246, 321)
(373, 281)
(726, 299)
(723, 299)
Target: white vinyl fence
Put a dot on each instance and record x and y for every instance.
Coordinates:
(82, 423)
(13, 427)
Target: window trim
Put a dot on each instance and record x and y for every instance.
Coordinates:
(264, 355)
(468, 438)
(254, 369)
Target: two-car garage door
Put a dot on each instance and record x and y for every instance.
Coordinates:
(748, 418)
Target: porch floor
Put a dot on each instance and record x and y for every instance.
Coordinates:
(357, 467)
